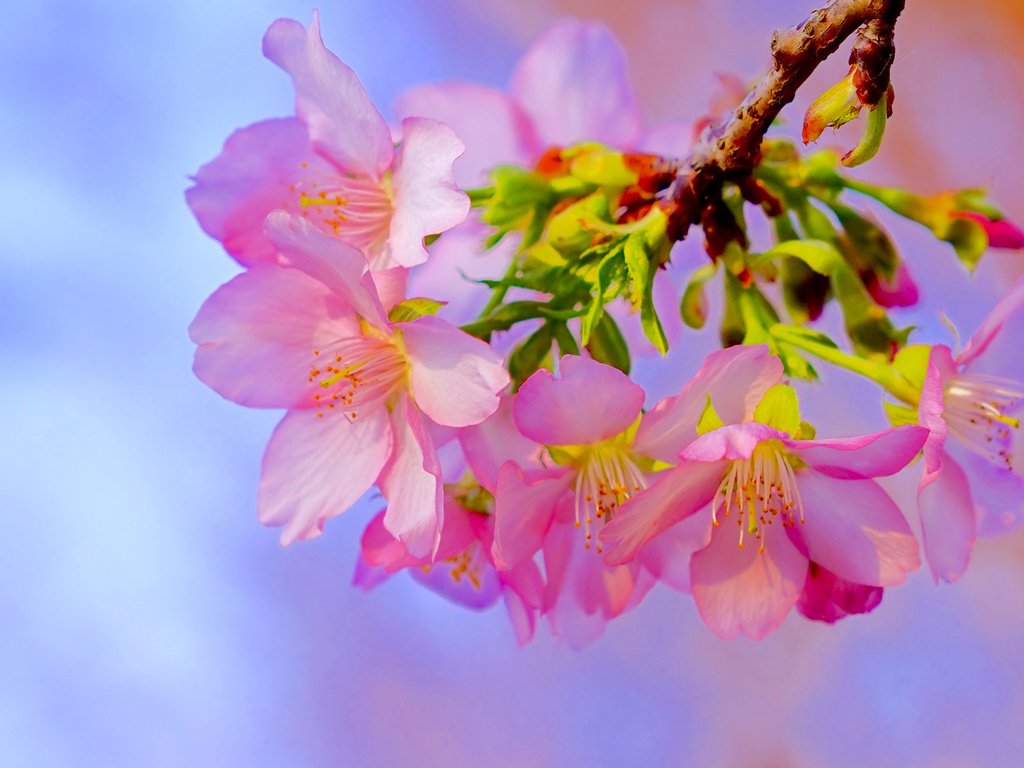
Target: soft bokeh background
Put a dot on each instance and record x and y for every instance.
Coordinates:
(149, 620)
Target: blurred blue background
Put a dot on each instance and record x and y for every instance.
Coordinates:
(149, 619)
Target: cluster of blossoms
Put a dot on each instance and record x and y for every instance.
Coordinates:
(523, 464)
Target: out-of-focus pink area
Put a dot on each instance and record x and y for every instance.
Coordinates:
(149, 620)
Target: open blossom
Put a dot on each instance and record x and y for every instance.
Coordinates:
(462, 569)
(598, 453)
(971, 403)
(334, 164)
(312, 335)
(771, 504)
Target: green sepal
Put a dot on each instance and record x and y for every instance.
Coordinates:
(871, 141)
(911, 363)
(602, 167)
(566, 341)
(968, 238)
(574, 229)
(410, 309)
(709, 418)
(530, 354)
(780, 408)
(899, 415)
(607, 344)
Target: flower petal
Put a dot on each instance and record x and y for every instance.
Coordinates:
(998, 493)
(427, 200)
(412, 484)
(456, 378)
(948, 523)
(256, 336)
(588, 402)
(494, 441)
(337, 265)
(493, 127)
(667, 556)
(932, 405)
(676, 494)
(740, 590)
(343, 123)
(731, 442)
(855, 530)
(255, 173)
(877, 455)
(316, 468)
(574, 85)
(1007, 308)
(524, 503)
(735, 379)
(378, 548)
(828, 598)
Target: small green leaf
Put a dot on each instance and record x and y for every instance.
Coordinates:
(911, 363)
(566, 341)
(779, 408)
(530, 354)
(899, 415)
(410, 309)
(871, 141)
(968, 239)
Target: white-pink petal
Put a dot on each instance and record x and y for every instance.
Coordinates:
(316, 468)
(343, 123)
(456, 378)
(948, 520)
(877, 455)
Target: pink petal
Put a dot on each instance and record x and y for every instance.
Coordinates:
(900, 291)
(1001, 234)
(391, 286)
(676, 494)
(828, 598)
(735, 379)
(948, 523)
(1006, 309)
(574, 85)
(932, 405)
(257, 333)
(316, 468)
(382, 550)
(412, 484)
(494, 441)
(855, 530)
(456, 378)
(731, 442)
(524, 503)
(254, 174)
(492, 126)
(337, 265)
(739, 590)
(998, 493)
(343, 123)
(588, 402)
(426, 198)
(667, 139)
(667, 556)
(877, 455)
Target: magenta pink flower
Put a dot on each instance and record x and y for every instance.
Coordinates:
(312, 335)
(828, 598)
(971, 404)
(335, 164)
(746, 578)
(462, 570)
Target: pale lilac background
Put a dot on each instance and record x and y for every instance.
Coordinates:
(149, 620)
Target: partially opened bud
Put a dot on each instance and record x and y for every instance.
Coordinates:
(835, 107)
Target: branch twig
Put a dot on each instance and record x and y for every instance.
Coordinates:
(729, 150)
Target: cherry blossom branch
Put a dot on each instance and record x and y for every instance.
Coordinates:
(729, 150)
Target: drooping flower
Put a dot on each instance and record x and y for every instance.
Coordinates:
(312, 335)
(463, 568)
(828, 598)
(793, 501)
(971, 403)
(334, 164)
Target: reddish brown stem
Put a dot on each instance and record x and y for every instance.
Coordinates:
(729, 150)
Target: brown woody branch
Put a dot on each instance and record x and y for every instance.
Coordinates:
(728, 151)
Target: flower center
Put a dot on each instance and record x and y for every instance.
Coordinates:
(976, 409)
(354, 209)
(759, 490)
(606, 477)
(355, 374)
(467, 566)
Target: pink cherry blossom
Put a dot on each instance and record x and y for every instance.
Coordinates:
(462, 570)
(782, 492)
(335, 164)
(311, 335)
(971, 403)
(828, 598)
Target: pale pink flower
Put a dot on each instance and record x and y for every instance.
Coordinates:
(971, 403)
(312, 335)
(463, 568)
(782, 493)
(335, 164)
